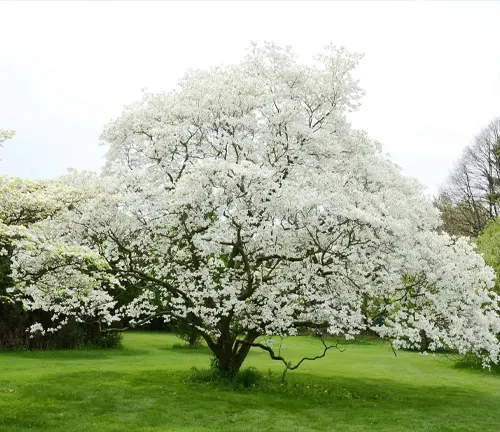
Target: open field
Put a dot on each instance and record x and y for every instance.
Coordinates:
(147, 386)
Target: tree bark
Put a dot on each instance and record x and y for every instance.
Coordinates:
(229, 355)
(193, 338)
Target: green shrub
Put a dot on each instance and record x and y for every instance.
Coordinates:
(14, 335)
(204, 376)
(247, 377)
(109, 340)
(188, 333)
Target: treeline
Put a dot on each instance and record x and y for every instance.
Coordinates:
(469, 200)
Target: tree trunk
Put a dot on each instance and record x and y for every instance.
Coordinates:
(193, 338)
(229, 354)
(93, 332)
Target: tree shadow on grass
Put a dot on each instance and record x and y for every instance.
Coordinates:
(77, 354)
(99, 354)
(156, 398)
(184, 347)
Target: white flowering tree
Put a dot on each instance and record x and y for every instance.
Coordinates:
(24, 202)
(244, 204)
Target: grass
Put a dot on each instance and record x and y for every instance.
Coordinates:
(148, 386)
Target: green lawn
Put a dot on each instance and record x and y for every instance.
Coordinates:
(148, 386)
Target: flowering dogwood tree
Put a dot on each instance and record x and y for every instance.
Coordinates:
(244, 204)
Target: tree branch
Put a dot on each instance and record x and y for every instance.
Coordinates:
(288, 364)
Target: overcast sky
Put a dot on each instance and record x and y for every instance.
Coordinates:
(431, 71)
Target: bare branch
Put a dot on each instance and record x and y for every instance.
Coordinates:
(288, 364)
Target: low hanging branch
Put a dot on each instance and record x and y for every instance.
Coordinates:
(288, 364)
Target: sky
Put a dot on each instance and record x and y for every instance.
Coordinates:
(431, 70)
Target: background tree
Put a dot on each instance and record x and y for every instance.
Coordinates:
(471, 195)
(24, 202)
(243, 204)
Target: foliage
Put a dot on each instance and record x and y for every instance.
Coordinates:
(12, 327)
(248, 377)
(188, 332)
(459, 218)
(244, 204)
(471, 196)
(105, 340)
(488, 243)
(244, 378)
(146, 386)
(15, 322)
